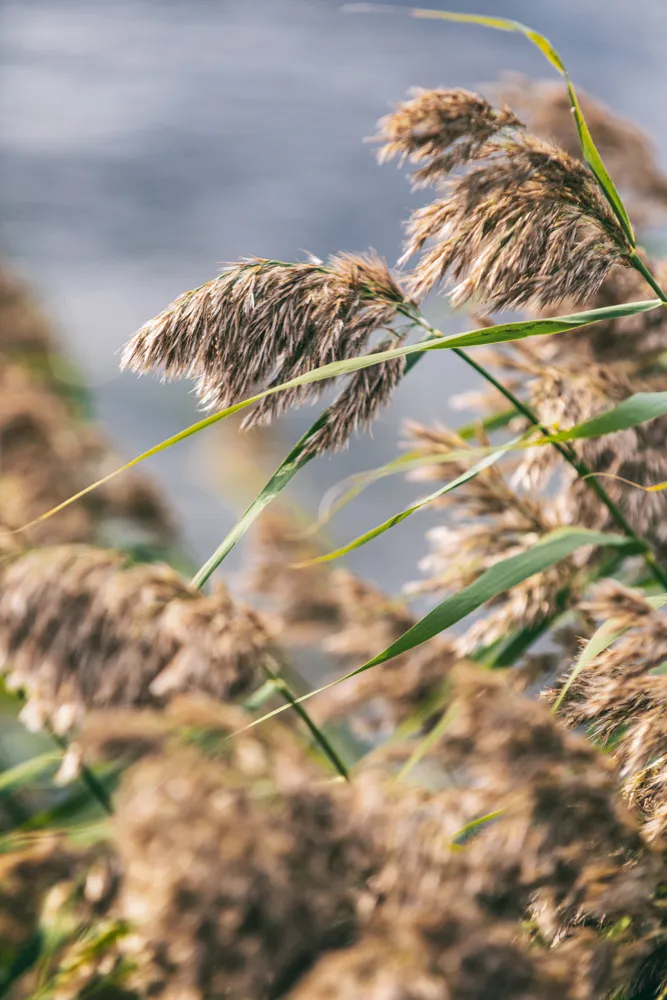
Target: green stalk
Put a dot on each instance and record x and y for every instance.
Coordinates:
(284, 689)
(94, 786)
(639, 265)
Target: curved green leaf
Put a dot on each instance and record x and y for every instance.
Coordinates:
(504, 575)
(28, 771)
(474, 470)
(631, 412)
(498, 579)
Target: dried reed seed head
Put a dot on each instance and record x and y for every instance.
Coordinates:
(564, 832)
(461, 958)
(612, 601)
(352, 620)
(47, 455)
(306, 606)
(231, 886)
(262, 323)
(440, 129)
(269, 755)
(570, 393)
(78, 630)
(626, 150)
(526, 226)
(620, 696)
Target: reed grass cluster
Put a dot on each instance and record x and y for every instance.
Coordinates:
(475, 803)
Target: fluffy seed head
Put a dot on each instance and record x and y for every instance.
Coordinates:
(262, 323)
(526, 225)
(440, 129)
(232, 884)
(626, 150)
(79, 630)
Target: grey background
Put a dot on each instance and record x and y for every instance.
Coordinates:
(142, 143)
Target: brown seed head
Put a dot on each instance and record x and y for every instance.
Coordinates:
(526, 225)
(232, 885)
(626, 150)
(78, 630)
(441, 130)
(262, 323)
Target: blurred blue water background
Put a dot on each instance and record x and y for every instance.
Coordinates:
(142, 142)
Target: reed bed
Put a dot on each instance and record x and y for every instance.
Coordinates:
(475, 803)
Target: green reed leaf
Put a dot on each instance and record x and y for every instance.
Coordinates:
(496, 580)
(633, 411)
(29, 770)
(502, 576)
(391, 522)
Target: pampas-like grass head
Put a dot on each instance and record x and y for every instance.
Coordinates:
(263, 322)
(526, 225)
(440, 130)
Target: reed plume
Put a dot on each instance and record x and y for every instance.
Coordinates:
(620, 696)
(440, 129)
(528, 225)
(262, 323)
(350, 619)
(255, 869)
(79, 629)
(626, 150)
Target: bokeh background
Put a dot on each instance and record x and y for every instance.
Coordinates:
(143, 142)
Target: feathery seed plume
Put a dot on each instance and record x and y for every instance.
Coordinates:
(527, 225)
(79, 630)
(442, 129)
(620, 697)
(351, 620)
(263, 322)
(367, 391)
(246, 883)
(415, 957)
(626, 150)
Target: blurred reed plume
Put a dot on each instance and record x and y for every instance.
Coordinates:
(477, 807)
(78, 630)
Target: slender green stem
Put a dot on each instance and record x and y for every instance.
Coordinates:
(320, 738)
(94, 786)
(639, 265)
